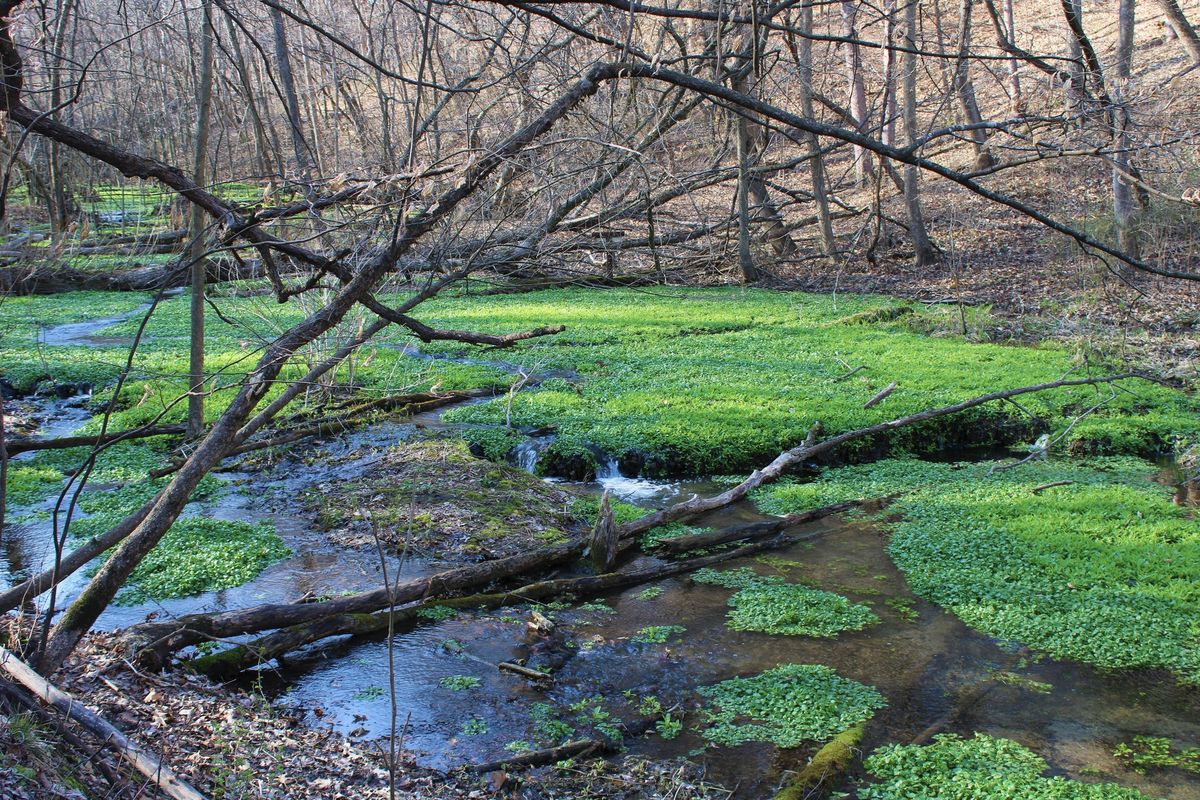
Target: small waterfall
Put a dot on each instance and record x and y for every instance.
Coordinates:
(527, 454)
(609, 470)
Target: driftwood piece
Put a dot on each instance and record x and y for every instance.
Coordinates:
(140, 759)
(525, 672)
(603, 546)
(879, 398)
(551, 755)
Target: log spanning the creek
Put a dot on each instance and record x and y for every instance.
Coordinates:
(246, 656)
(154, 642)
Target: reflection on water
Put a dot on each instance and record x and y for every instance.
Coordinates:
(920, 666)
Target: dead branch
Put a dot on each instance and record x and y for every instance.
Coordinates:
(551, 755)
(140, 759)
(17, 446)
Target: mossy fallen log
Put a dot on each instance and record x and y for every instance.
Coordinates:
(826, 765)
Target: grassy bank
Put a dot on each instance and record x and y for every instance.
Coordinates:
(1102, 569)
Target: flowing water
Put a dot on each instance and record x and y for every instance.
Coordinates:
(920, 664)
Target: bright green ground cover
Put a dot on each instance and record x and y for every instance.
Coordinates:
(1105, 570)
(981, 768)
(788, 705)
(234, 340)
(721, 380)
(770, 605)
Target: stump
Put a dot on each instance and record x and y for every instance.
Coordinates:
(603, 547)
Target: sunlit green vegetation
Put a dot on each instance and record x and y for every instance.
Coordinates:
(789, 706)
(700, 381)
(1105, 569)
(769, 605)
(981, 768)
(1156, 752)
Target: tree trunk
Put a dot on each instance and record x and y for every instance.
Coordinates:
(923, 251)
(3, 463)
(816, 161)
(745, 256)
(603, 547)
(1187, 33)
(286, 80)
(1075, 87)
(857, 89)
(1125, 206)
(1014, 74)
(196, 228)
(965, 89)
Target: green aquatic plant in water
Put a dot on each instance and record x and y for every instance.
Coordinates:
(657, 634)
(769, 605)
(1144, 752)
(459, 683)
(981, 768)
(1104, 570)
(788, 706)
(203, 555)
(718, 380)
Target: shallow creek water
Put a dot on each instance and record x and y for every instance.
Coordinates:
(919, 665)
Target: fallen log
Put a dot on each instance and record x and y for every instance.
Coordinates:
(17, 446)
(153, 642)
(55, 279)
(551, 755)
(826, 765)
(241, 657)
(140, 759)
(753, 530)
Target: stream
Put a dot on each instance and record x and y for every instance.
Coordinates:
(919, 661)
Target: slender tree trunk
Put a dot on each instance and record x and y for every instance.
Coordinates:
(965, 89)
(266, 163)
(816, 162)
(923, 251)
(745, 256)
(3, 464)
(1074, 88)
(1014, 74)
(1187, 33)
(888, 131)
(863, 171)
(63, 202)
(196, 227)
(1125, 206)
(286, 80)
